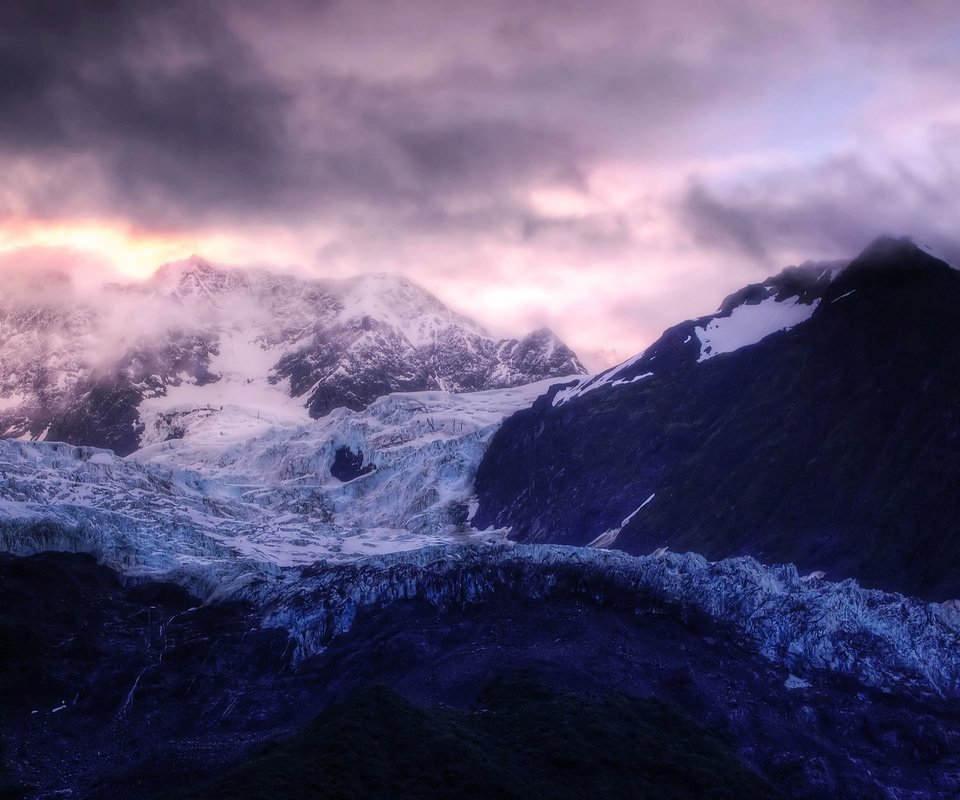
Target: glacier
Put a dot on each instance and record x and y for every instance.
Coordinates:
(805, 623)
(236, 496)
(261, 519)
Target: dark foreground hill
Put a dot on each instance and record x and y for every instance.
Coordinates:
(109, 691)
(525, 742)
(833, 442)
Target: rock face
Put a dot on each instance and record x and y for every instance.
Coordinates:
(97, 369)
(813, 420)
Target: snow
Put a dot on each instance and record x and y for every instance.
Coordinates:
(845, 294)
(632, 515)
(606, 539)
(400, 303)
(13, 401)
(612, 377)
(749, 324)
(832, 269)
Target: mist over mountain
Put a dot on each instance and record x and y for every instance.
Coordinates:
(89, 367)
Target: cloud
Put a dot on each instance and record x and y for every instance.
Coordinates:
(673, 148)
(177, 112)
(832, 208)
(161, 102)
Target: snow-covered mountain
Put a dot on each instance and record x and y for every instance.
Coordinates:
(813, 419)
(100, 369)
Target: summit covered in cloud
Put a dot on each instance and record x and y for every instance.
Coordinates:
(123, 365)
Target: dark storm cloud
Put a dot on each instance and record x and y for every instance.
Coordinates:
(833, 208)
(184, 111)
(163, 113)
(161, 97)
(486, 153)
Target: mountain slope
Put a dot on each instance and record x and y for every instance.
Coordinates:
(95, 369)
(827, 435)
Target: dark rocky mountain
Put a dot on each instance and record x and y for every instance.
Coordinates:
(815, 419)
(78, 368)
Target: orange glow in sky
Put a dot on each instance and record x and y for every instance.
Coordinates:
(116, 247)
(126, 251)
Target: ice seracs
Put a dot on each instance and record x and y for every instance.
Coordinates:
(235, 493)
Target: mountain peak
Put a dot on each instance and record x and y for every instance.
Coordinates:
(194, 277)
(185, 266)
(890, 253)
(886, 261)
(208, 336)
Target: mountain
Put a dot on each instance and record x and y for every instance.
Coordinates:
(100, 369)
(813, 419)
(208, 613)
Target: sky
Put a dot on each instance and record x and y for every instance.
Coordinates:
(606, 168)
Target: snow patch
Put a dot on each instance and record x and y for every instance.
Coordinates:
(12, 401)
(637, 511)
(845, 294)
(606, 539)
(611, 377)
(749, 324)
(792, 683)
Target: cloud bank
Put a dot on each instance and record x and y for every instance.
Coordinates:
(604, 168)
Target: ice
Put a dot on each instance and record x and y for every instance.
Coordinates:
(879, 638)
(238, 496)
(643, 505)
(607, 539)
